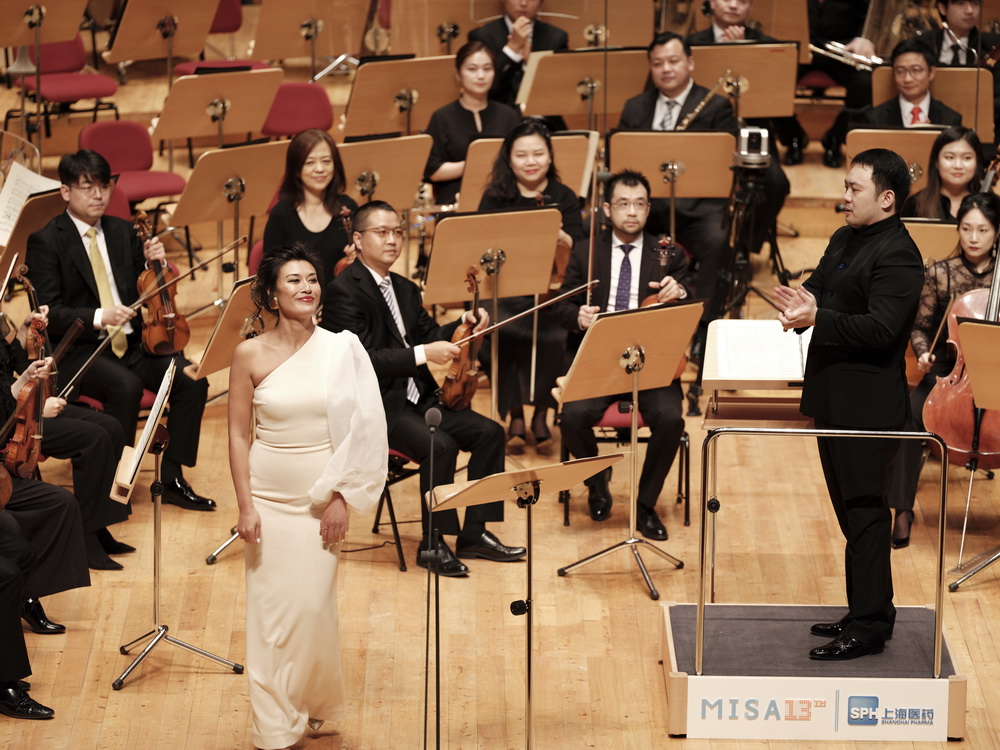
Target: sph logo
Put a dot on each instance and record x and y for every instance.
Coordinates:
(862, 710)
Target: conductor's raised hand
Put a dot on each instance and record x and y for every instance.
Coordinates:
(800, 311)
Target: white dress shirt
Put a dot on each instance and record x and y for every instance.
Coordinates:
(907, 109)
(83, 227)
(660, 110)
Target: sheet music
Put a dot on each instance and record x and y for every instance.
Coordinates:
(21, 183)
(760, 350)
(154, 417)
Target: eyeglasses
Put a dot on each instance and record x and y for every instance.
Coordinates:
(383, 232)
(91, 188)
(915, 71)
(625, 205)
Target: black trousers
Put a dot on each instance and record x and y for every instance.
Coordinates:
(857, 475)
(118, 383)
(661, 410)
(460, 430)
(49, 518)
(93, 441)
(16, 558)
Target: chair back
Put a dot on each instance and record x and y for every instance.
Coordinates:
(118, 205)
(124, 143)
(254, 258)
(298, 107)
(61, 57)
(228, 17)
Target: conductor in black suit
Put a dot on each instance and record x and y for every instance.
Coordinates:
(913, 69)
(512, 37)
(627, 261)
(85, 265)
(861, 302)
(385, 311)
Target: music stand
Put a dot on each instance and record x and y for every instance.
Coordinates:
(397, 96)
(701, 160)
(525, 255)
(770, 72)
(523, 487)
(240, 180)
(154, 439)
(956, 87)
(935, 240)
(568, 83)
(159, 29)
(617, 347)
(216, 106)
(913, 144)
(596, 25)
(430, 27)
(36, 212)
(289, 29)
(981, 350)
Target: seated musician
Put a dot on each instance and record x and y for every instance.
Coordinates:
(384, 310)
(512, 37)
(627, 262)
(970, 267)
(731, 23)
(913, 69)
(702, 226)
(954, 170)
(85, 265)
(93, 442)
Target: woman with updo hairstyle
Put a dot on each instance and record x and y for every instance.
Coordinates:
(525, 176)
(312, 208)
(312, 400)
(473, 115)
(955, 170)
(970, 267)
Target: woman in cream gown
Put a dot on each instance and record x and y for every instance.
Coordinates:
(320, 446)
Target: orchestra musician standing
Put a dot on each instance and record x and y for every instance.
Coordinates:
(860, 302)
(385, 311)
(627, 262)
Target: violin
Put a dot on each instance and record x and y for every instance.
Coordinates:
(165, 331)
(971, 434)
(462, 381)
(343, 263)
(667, 248)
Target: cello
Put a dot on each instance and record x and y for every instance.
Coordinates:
(165, 331)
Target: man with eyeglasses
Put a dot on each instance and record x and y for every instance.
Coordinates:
(386, 312)
(85, 264)
(913, 70)
(627, 262)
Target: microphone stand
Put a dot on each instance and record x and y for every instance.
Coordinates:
(432, 556)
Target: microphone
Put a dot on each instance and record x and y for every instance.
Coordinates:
(432, 418)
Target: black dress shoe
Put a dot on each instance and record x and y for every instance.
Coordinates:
(599, 499)
(831, 154)
(33, 614)
(834, 629)
(844, 647)
(24, 685)
(179, 493)
(901, 529)
(650, 525)
(97, 558)
(793, 154)
(487, 547)
(111, 545)
(448, 566)
(17, 704)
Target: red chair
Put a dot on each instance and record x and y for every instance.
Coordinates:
(118, 206)
(65, 80)
(298, 107)
(615, 427)
(129, 150)
(253, 260)
(228, 20)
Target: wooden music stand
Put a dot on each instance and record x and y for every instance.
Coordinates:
(786, 21)
(398, 96)
(288, 29)
(627, 22)
(478, 167)
(522, 487)
(935, 240)
(706, 159)
(588, 88)
(617, 348)
(521, 265)
(36, 212)
(387, 169)
(61, 22)
(913, 144)
(771, 71)
(431, 27)
(956, 87)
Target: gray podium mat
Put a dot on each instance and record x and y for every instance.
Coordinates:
(774, 641)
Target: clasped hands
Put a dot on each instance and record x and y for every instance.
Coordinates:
(797, 307)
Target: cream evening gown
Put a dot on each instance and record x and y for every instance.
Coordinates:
(319, 426)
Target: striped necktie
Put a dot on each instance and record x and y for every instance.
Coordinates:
(667, 123)
(412, 392)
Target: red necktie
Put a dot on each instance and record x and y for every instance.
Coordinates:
(915, 116)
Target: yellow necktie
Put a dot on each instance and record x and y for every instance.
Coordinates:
(118, 341)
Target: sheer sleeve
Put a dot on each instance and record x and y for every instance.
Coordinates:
(358, 466)
(928, 312)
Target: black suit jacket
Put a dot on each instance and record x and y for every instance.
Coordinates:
(982, 43)
(717, 115)
(576, 274)
(353, 302)
(494, 35)
(64, 279)
(889, 115)
(707, 36)
(867, 285)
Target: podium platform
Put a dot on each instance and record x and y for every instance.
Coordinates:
(758, 683)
